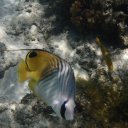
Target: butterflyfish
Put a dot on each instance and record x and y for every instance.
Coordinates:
(51, 79)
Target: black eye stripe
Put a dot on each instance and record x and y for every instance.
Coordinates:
(32, 54)
(63, 109)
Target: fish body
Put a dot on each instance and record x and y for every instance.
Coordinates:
(51, 79)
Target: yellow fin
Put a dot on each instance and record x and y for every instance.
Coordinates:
(106, 54)
(35, 75)
(32, 84)
(22, 71)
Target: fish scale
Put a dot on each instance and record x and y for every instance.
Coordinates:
(51, 79)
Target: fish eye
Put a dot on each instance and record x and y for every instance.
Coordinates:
(32, 54)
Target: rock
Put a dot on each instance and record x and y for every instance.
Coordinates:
(6, 116)
(109, 17)
(2, 60)
(100, 95)
(125, 40)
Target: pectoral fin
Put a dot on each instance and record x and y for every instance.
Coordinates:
(35, 75)
(32, 84)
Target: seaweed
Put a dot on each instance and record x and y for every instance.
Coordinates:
(102, 102)
(106, 55)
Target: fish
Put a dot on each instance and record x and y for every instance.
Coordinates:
(51, 79)
(106, 55)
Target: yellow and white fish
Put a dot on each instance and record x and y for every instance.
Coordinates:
(51, 79)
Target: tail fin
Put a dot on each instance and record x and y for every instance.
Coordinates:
(69, 113)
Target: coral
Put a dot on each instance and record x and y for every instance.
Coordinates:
(104, 100)
(83, 15)
(2, 61)
(106, 17)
